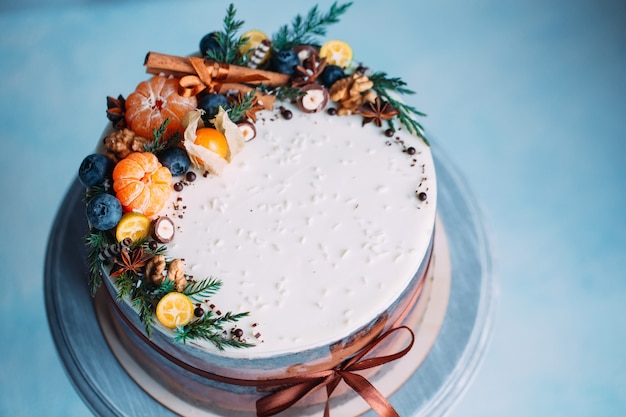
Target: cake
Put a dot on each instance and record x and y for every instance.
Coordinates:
(262, 219)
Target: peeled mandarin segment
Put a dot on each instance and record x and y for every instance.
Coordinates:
(141, 202)
(157, 197)
(129, 194)
(128, 168)
(148, 161)
(337, 53)
(162, 175)
(174, 309)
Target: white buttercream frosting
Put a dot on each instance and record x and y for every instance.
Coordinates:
(315, 228)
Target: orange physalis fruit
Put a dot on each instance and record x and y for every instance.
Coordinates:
(154, 101)
(141, 183)
(213, 140)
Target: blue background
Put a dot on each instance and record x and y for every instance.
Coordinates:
(526, 98)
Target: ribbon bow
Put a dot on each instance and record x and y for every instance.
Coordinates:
(286, 397)
(211, 75)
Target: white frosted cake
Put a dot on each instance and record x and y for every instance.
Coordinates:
(255, 227)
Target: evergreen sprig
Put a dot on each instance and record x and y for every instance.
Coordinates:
(143, 295)
(304, 30)
(210, 327)
(239, 109)
(228, 40)
(96, 241)
(199, 291)
(384, 86)
(288, 93)
(159, 141)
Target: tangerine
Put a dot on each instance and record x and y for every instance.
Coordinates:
(141, 183)
(154, 101)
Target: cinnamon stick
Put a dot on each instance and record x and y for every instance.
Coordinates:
(157, 63)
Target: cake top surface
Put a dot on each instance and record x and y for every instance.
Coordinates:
(315, 229)
(268, 193)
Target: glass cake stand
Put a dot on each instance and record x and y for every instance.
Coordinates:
(431, 390)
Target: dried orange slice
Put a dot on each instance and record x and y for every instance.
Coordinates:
(174, 309)
(141, 183)
(154, 101)
(135, 226)
(336, 53)
(255, 37)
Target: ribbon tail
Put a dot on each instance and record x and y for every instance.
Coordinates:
(330, 387)
(370, 394)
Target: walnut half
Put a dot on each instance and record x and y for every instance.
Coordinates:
(154, 269)
(176, 273)
(121, 143)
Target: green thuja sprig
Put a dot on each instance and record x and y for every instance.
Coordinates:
(239, 109)
(159, 141)
(228, 40)
(143, 295)
(211, 328)
(383, 85)
(96, 241)
(304, 30)
(199, 291)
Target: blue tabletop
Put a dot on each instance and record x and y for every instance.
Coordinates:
(527, 99)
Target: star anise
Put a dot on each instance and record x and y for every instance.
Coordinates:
(307, 73)
(254, 104)
(116, 108)
(130, 261)
(377, 111)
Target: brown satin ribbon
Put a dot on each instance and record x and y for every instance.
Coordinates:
(298, 386)
(210, 75)
(284, 398)
(295, 388)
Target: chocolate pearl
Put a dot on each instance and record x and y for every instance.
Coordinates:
(287, 114)
(422, 196)
(190, 176)
(332, 111)
(389, 132)
(178, 186)
(153, 245)
(198, 311)
(410, 150)
(238, 332)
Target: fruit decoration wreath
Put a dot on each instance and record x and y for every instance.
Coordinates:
(198, 112)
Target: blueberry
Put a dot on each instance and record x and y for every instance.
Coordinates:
(94, 169)
(175, 159)
(331, 74)
(210, 104)
(104, 211)
(209, 43)
(285, 61)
